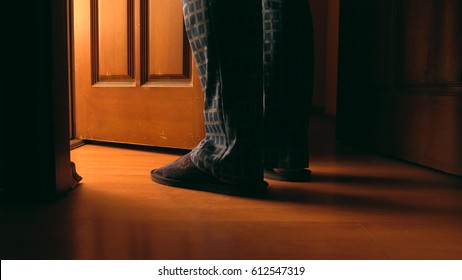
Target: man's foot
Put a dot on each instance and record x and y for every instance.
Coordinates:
(182, 173)
(288, 174)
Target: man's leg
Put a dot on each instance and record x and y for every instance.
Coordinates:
(226, 40)
(288, 79)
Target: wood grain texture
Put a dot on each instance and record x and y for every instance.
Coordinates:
(400, 80)
(115, 97)
(358, 206)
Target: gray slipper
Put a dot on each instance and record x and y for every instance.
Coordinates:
(303, 176)
(182, 173)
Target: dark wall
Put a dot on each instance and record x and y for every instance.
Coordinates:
(33, 110)
(400, 80)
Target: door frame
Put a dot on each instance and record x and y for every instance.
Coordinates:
(35, 149)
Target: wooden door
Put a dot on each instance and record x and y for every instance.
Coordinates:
(400, 79)
(134, 77)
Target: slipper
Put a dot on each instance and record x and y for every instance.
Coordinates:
(182, 173)
(303, 176)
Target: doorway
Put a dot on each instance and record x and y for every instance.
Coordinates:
(132, 78)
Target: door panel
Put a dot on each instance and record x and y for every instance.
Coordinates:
(165, 51)
(112, 39)
(133, 74)
(400, 80)
(432, 45)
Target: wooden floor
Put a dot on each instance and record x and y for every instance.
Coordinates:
(358, 206)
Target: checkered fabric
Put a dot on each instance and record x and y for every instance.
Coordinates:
(251, 89)
(288, 82)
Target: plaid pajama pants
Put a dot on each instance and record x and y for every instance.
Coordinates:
(255, 62)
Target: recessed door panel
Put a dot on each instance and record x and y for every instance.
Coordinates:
(133, 78)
